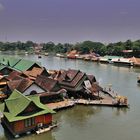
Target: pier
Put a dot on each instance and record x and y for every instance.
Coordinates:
(61, 105)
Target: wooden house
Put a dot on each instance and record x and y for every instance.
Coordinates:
(24, 114)
(11, 81)
(53, 91)
(24, 85)
(74, 81)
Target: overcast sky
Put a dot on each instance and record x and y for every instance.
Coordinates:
(69, 20)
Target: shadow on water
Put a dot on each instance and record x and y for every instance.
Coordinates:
(8, 136)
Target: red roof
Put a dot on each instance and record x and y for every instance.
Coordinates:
(12, 75)
(46, 83)
(21, 85)
(71, 77)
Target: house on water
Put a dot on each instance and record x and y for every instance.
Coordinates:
(74, 81)
(24, 114)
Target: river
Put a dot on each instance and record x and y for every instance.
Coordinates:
(92, 122)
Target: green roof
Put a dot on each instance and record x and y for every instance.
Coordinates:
(17, 63)
(2, 66)
(17, 103)
(24, 65)
(9, 61)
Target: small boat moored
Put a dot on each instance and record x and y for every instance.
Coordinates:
(39, 56)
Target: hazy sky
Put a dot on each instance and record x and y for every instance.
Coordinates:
(69, 20)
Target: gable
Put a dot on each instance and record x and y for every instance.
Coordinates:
(71, 74)
(5, 71)
(33, 87)
(24, 84)
(30, 109)
(78, 79)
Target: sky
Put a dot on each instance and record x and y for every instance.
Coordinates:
(69, 21)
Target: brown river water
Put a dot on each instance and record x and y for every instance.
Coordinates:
(92, 122)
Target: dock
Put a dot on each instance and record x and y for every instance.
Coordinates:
(103, 102)
(108, 99)
(61, 105)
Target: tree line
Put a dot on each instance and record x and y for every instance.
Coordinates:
(82, 47)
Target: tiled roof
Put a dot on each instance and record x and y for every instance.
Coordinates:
(46, 83)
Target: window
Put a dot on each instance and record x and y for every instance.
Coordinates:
(29, 122)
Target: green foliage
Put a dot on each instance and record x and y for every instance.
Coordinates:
(82, 47)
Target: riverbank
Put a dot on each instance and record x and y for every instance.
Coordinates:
(114, 60)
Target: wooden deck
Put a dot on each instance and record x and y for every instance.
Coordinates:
(61, 105)
(104, 102)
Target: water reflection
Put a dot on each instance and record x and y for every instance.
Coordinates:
(120, 111)
(6, 135)
(138, 85)
(79, 115)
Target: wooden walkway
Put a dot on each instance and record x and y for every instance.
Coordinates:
(61, 105)
(103, 102)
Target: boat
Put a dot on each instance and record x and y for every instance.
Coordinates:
(26, 53)
(46, 54)
(122, 61)
(103, 60)
(39, 56)
(60, 55)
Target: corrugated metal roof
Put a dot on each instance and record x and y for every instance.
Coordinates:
(46, 83)
(9, 61)
(35, 72)
(24, 65)
(12, 75)
(24, 84)
(76, 78)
